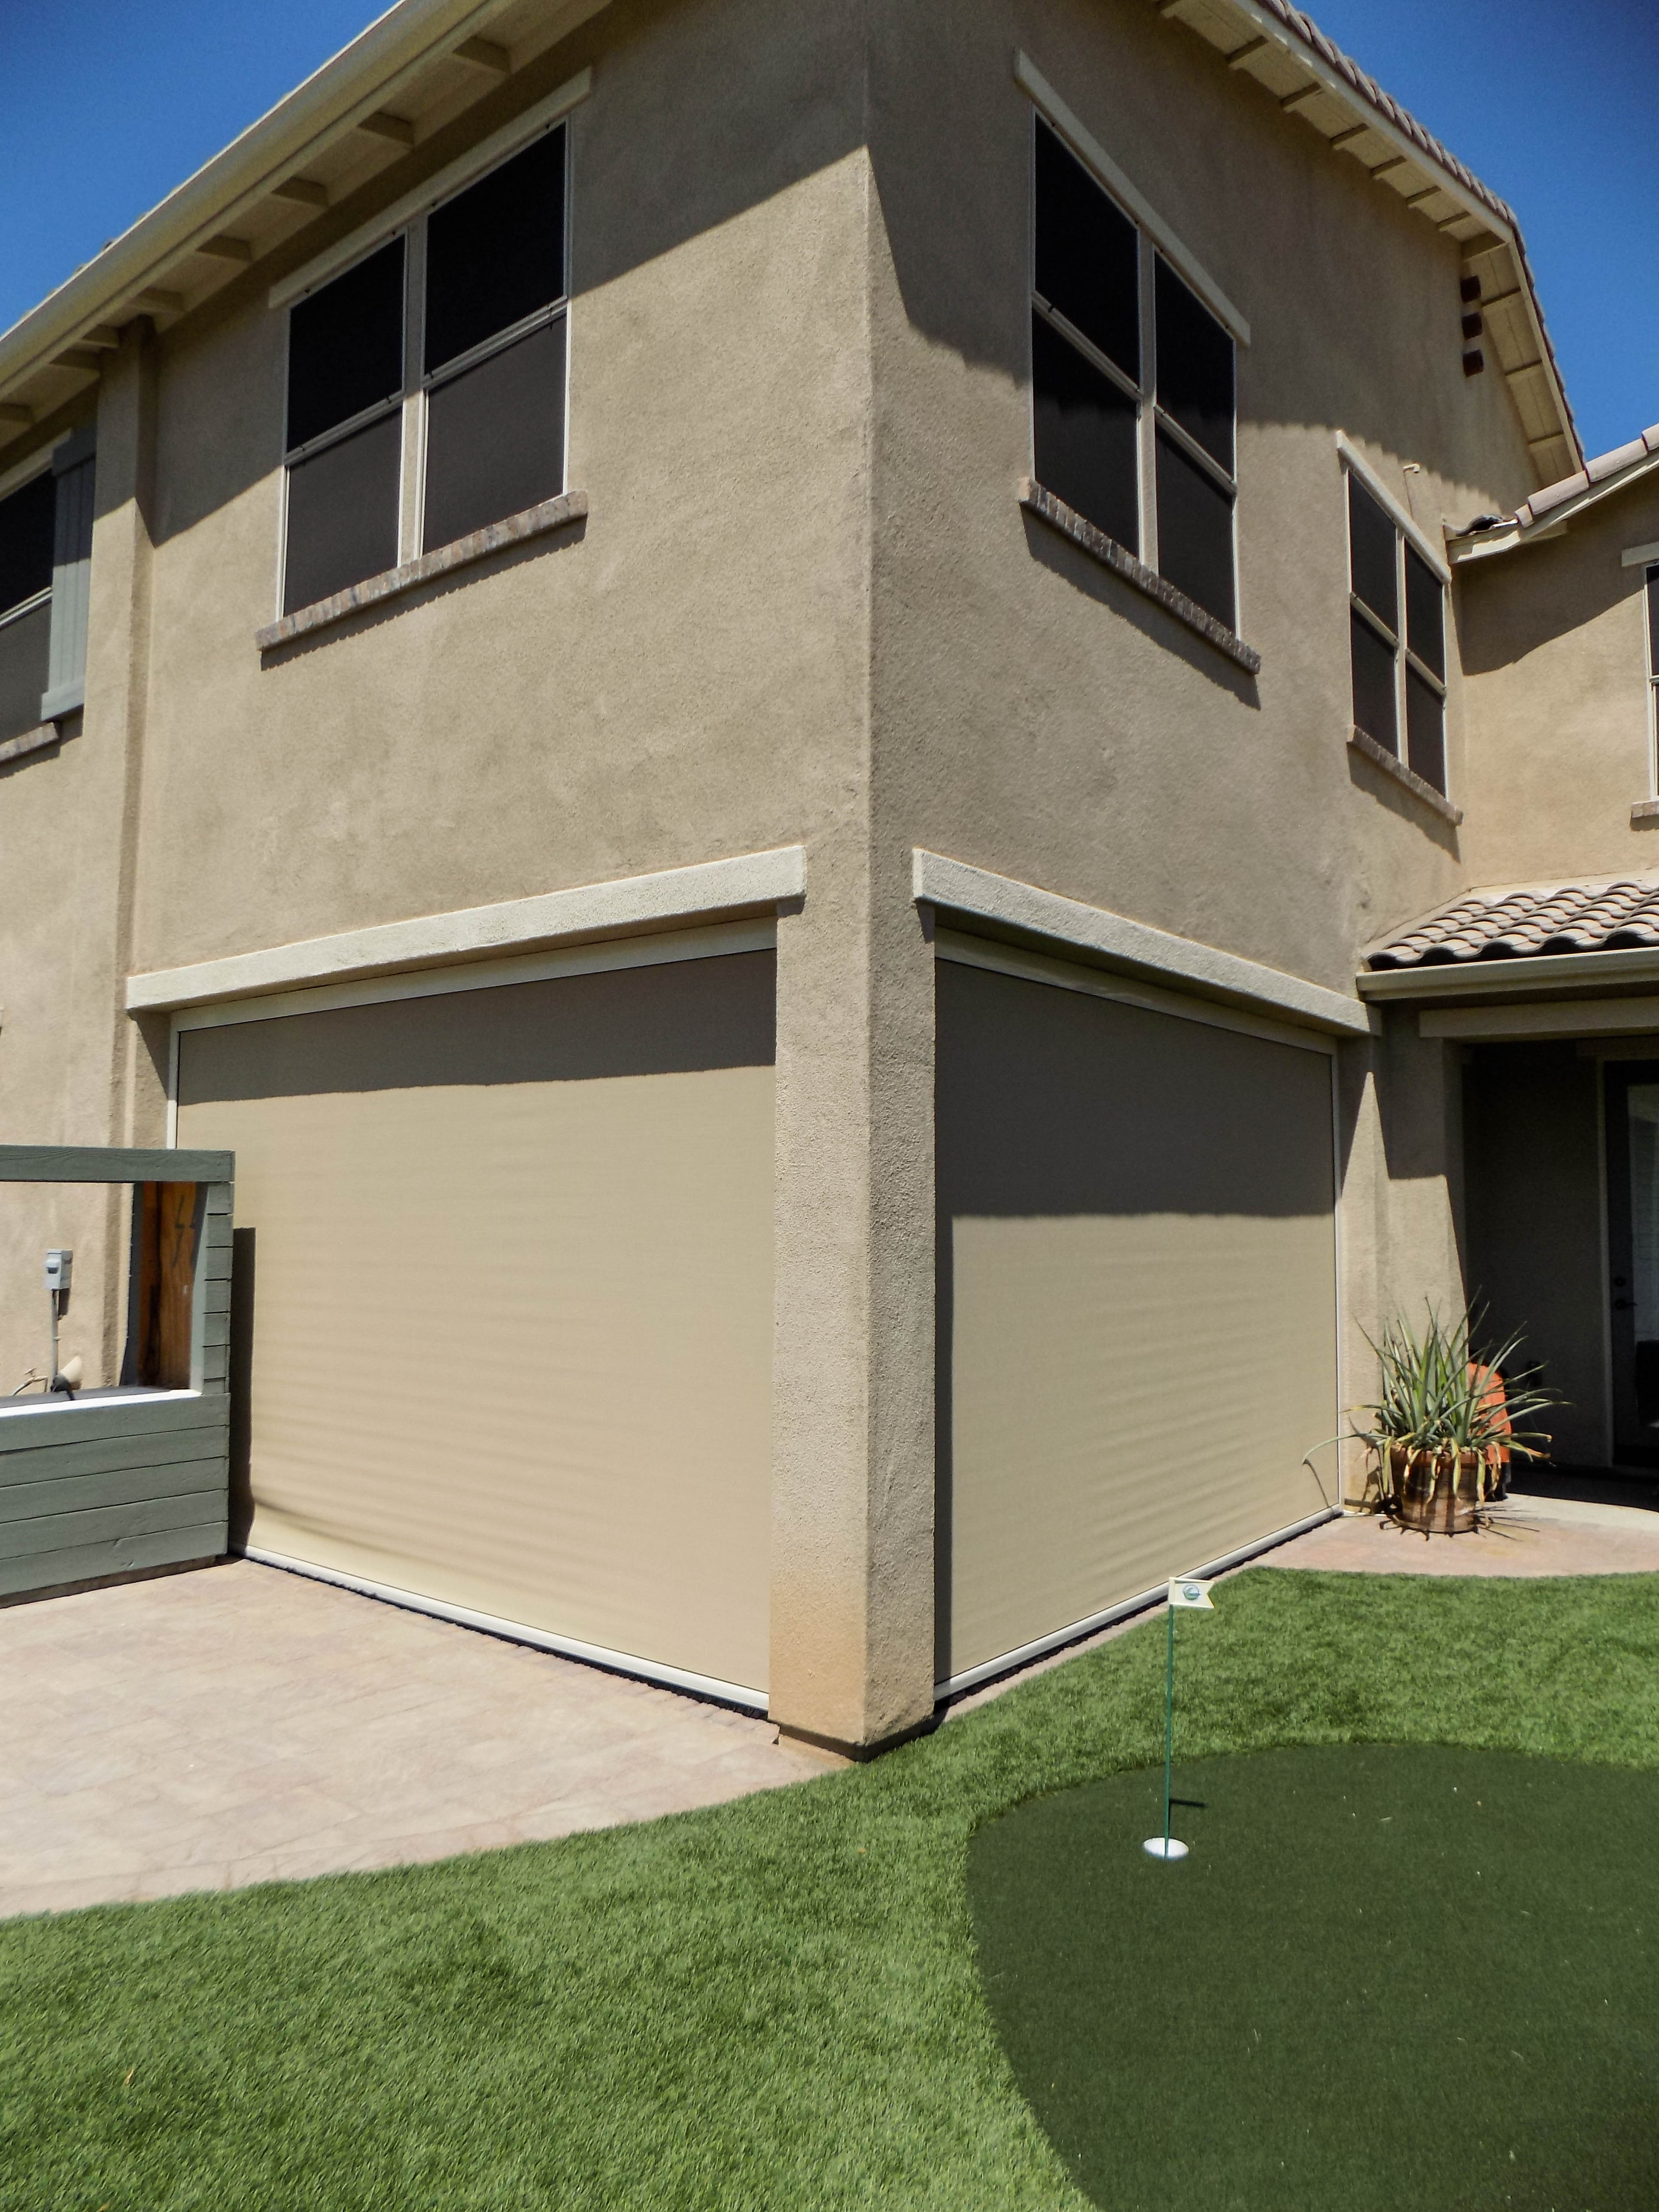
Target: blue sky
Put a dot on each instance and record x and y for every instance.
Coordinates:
(105, 106)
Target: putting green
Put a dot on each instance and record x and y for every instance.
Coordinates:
(1389, 1977)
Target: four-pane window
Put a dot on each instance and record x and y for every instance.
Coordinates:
(1133, 398)
(1397, 637)
(432, 371)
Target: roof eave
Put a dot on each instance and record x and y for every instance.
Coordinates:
(1282, 26)
(1514, 532)
(356, 82)
(1502, 978)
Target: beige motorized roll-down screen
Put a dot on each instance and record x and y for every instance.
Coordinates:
(505, 1297)
(1137, 1275)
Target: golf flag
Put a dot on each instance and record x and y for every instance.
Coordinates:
(1194, 1595)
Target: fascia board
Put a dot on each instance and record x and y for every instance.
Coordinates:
(1593, 494)
(1490, 213)
(1132, 948)
(1552, 523)
(359, 79)
(1564, 972)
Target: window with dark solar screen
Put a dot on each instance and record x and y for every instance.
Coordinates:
(1425, 621)
(342, 513)
(345, 346)
(1374, 706)
(1372, 557)
(27, 520)
(494, 438)
(495, 253)
(1194, 366)
(1425, 730)
(1088, 255)
(1082, 428)
(1194, 533)
(1653, 621)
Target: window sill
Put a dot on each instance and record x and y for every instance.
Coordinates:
(34, 741)
(533, 522)
(1420, 787)
(1645, 810)
(1118, 558)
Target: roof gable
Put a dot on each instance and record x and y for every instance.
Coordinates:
(1311, 78)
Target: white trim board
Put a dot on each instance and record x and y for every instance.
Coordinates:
(1000, 958)
(495, 148)
(1042, 95)
(1156, 955)
(1353, 458)
(87, 1399)
(1511, 979)
(750, 883)
(567, 1647)
(1010, 1662)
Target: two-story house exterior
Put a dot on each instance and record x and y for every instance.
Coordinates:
(738, 691)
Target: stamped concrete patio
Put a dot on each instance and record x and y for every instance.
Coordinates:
(241, 1724)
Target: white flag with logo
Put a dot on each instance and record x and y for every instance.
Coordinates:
(1193, 1594)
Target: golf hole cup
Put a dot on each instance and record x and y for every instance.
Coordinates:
(1187, 1595)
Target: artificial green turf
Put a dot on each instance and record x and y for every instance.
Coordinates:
(1387, 1975)
(771, 2003)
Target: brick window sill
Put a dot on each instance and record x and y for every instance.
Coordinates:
(36, 740)
(1037, 500)
(551, 515)
(1420, 787)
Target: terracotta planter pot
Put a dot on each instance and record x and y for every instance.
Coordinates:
(1437, 1492)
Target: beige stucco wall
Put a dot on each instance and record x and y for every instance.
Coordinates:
(70, 1062)
(805, 607)
(1555, 652)
(1042, 717)
(1036, 716)
(672, 682)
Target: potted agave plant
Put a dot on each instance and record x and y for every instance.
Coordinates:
(1445, 1424)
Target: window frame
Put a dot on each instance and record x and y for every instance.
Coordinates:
(411, 402)
(1154, 243)
(1406, 533)
(70, 462)
(1651, 639)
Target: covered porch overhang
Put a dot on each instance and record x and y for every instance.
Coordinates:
(1552, 1070)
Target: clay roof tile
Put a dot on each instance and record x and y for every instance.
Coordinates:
(1525, 923)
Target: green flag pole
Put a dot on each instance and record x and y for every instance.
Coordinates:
(1189, 1590)
(1168, 1726)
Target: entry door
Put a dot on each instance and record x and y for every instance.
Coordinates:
(1632, 1109)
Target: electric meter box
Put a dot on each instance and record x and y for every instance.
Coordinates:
(59, 1266)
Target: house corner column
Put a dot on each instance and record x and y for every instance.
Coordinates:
(134, 1107)
(852, 1578)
